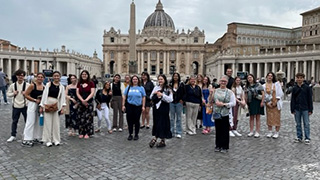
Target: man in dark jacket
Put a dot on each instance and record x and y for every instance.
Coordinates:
(302, 107)
(231, 79)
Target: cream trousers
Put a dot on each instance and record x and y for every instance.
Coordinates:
(51, 125)
(191, 117)
(32, 129)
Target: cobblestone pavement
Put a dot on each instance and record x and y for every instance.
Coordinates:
(111, 156)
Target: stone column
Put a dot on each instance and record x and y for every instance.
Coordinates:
(32, 66)
(168, 62)
(106, 63)
(273, 67)
(178, 62)
(281, 66)
(139, 64)
(119, 63)
(289, 71)
(313, 66)
(165, 63)
(219, 70)
(234, 71)
(244, 67)
(265, 68)
(305, 69)
(149, 64)
(142, 61)
(24, 65)
(58, 66)
(188, 64)
(158, 63)
(258, 71)
(1, 63)
(297, 67)
(251, 68)
(9, 71)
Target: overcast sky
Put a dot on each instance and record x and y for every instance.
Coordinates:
(79, 24)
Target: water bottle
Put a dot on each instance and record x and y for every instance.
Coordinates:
(41, 119)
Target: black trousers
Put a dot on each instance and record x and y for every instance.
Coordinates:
(133, 118)
(15, 118)
(222, 132)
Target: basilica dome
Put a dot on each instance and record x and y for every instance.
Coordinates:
(159, 19)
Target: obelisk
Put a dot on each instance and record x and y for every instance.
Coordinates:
(132, 38)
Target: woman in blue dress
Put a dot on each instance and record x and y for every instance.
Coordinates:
(206, 91)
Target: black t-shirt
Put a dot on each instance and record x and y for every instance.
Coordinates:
(116, 89)
(54, 91)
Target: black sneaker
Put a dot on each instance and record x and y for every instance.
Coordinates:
(27, 144)
(136, 137)
(130, 137)
(297, 140)
(36, 141)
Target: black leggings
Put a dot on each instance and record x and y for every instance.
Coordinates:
(133, 118)
(222, 132)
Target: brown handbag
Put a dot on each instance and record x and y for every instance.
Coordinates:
(51, 107)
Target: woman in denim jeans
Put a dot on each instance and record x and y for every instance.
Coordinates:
(176, 106)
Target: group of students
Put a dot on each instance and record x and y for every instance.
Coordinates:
(219, 106)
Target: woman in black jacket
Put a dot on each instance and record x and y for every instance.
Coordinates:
(193, 98)
(148, 87)
(176, 106)
(102, 98)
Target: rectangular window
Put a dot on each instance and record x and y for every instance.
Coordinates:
(161, 71)
(153, 69)
(172, 55)
(316, 32)
(112, 39)
(145, 56)
(153, 55)
(195, 55)
(172, 69)
(161, 56)
(145, 69)
(310, 33)
(195, 39)
(112, 55)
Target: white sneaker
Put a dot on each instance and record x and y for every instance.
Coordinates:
(114, 129)
(256, 135)
(231, 134)
(276, 135)
(269, 134)
(179, 136)
(250, 134)
(48, 144)
(12, 138)
(6, 103)
(235, 132)
(120, 129)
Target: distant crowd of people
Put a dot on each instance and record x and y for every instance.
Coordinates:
(219, 104)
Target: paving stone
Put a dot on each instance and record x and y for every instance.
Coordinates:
(111, 156)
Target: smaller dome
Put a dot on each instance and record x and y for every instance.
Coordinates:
(159, 19)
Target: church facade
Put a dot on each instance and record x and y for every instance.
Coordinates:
(159, 48)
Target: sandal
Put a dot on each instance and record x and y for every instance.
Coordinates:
(161, 144)
(110, 131)
(152, 143)
(80, 136)
(97, 130)
(205, 131)
(86, 136)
